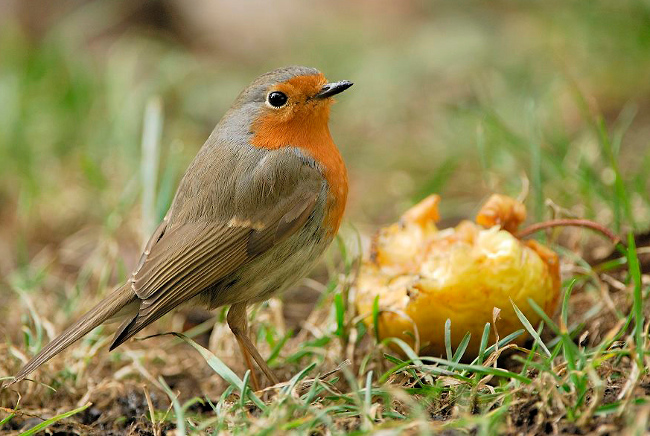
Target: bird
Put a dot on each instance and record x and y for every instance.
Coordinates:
(253, 213)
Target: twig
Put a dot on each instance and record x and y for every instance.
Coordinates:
(570, 222)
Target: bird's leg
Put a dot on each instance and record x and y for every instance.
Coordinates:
(240, 328)
(238, 323)
(249, 363)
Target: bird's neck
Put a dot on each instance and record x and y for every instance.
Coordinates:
(312, 136)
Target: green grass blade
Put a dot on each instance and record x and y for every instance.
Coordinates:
(296, 379)
(484, 340)
(637, 307)
(178, 410)
(529, 327)
(532, 352)
(405, 347)
(505, 341)
(54, 419)
(244, 388)
(544, 316)
(497, 372)
(222, 369)
(367, 399)
(340, 315)
(460, 351)
(277, 348)
(448, 339)
(564, 312)
(375, 317)
(621, 199)
(6, 419)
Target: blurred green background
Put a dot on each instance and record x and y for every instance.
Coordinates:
(526, 98)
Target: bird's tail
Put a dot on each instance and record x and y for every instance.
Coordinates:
(108, 308)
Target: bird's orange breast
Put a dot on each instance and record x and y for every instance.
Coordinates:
(308, 131)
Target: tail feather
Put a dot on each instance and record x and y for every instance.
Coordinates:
(126, 330)
(106, 309)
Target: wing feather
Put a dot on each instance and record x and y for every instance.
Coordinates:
(180, 250)
(191, 257)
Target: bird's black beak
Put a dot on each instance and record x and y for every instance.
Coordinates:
(334, 88)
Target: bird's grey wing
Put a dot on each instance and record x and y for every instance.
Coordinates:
(187, 258)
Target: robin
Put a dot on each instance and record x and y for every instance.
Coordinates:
(254, 211)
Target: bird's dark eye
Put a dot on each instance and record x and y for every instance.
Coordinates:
(277, 99)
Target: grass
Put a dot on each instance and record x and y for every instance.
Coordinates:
(541, 102)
